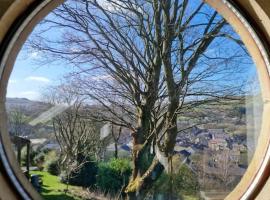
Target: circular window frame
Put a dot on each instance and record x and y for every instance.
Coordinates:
(26, 14)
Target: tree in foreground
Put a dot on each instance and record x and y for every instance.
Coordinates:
(145, 63)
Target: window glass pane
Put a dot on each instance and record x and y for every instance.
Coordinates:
(134, 99)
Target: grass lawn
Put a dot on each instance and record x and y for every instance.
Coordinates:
(53, 189)
(186, 197)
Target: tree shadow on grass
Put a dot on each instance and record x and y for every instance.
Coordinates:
(61, 196)
(45, 190)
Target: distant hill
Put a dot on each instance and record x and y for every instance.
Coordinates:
(28, 107)
(31, 110)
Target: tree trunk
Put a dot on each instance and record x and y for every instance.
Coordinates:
(146, 168)
(115, 150)
(137, 188)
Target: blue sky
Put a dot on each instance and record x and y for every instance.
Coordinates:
(27, 79)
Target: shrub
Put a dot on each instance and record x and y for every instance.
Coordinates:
(184, 182)
(113, 175)
(53, 167)
(39, 160)
(85, 176)
(33, 154)
(38, 157)
(23, 156)
(52, 163)
(187, 181)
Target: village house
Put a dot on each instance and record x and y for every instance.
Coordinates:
(235, 156)
(239, 147)
(217, 144)
(218, 134)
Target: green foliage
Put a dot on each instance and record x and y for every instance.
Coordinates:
(184, 182)
(162, 184)
(38, 157)
(53, 167)
(113, 175)
(52, 163)
(33, 155)
(84, 176)
(39, 160)
(23, 156)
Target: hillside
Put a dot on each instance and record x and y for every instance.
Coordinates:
(28, 107)
(23, 111)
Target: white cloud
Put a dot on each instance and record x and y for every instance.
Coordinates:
(38, 78)
(34, 54)
(74, 50)
(12, 81)
(107, 5)
(116, 5)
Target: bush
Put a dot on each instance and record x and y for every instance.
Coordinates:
(53, 167)
(39, 160)
(85, 176)
(184, 182)
(23, 156)
(187, 181)
(33, 154)
(52, 163)
(38, 157)
(113, 175)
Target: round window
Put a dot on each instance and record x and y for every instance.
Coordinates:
(135, 100)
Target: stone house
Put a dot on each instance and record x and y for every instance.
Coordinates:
(217, 144)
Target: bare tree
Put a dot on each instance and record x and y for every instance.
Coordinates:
(77, 137)
(224, 167)
(116, 133)
(162, 58)
(17, 121)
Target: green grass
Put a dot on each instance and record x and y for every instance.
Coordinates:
(187, 197)
(53, 189)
